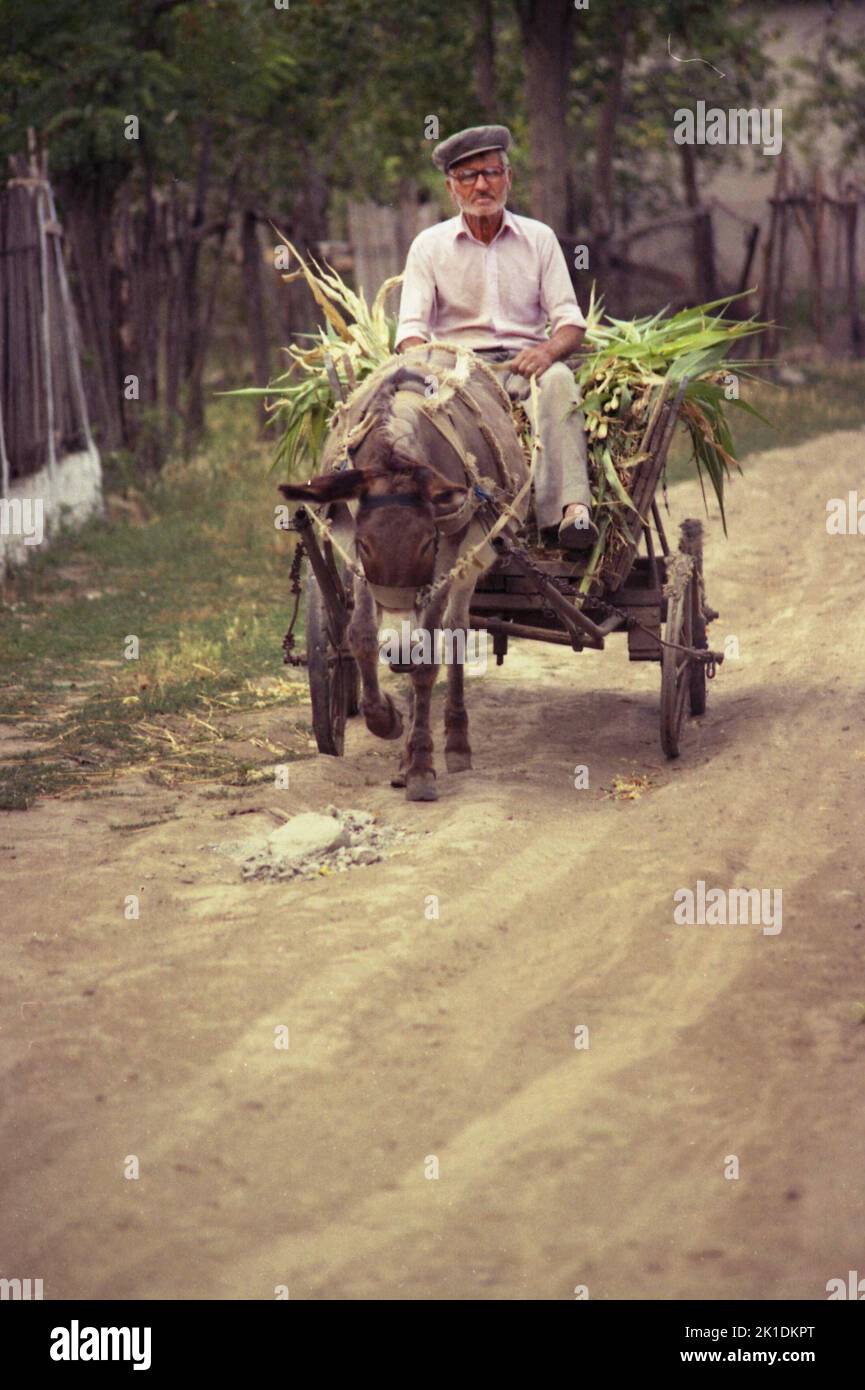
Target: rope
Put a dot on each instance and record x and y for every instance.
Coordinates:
(290, 657)
(508, 513)
(326, 528)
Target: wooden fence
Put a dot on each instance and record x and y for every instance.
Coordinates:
(43, 411)
(828, 225)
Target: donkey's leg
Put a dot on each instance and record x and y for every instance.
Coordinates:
(379, 711)
(420, 773)
(458, 753)
(398, 779)
(420, 778)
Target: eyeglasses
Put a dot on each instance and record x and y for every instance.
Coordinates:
(471, 175)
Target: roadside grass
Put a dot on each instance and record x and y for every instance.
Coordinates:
(193, 567)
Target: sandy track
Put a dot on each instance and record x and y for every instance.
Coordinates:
(454, 1037)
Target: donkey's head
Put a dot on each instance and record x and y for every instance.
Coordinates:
(401, 504)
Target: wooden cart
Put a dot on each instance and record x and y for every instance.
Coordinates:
(656, 597)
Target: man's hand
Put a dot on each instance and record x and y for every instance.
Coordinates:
(410, 343)
(533, 361)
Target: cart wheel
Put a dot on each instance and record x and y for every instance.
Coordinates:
(697, 687)
(333, 676)
(691, 543)
(676, 667)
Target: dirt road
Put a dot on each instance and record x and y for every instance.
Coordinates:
(416, 1038)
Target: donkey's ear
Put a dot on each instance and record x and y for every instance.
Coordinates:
(327, 487)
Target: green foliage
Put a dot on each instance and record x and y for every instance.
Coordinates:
(353, 342)
(629, 362)
(646, 162)
(834, 90)
(337, 92)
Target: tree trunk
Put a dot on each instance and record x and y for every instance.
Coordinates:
(307, 228)
(702, 233)
(603, 183)
(547, 33)
(193, 422)
(173, 250)
(485, 58)
(253, 294)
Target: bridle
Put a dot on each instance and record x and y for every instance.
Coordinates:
(405, 597)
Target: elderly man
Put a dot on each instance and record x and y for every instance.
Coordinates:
(493, 281)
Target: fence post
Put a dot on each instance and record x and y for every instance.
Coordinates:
(852, 210)
(4, 458)
(769, 289)
(819, 207)
(45, 323)
(72, 333)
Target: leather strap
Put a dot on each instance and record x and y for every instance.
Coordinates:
(393, 598)
(392, 499)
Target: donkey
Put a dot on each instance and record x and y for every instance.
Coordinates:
(406, 508)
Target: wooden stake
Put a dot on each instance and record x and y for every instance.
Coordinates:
(769, 251)
(71, 333)
(852, 220)
(45, 317)
(819, 316)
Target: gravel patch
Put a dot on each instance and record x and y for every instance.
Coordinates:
(312, 845)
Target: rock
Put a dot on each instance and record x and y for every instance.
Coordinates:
(791, 376)
(241, 850)
(305, 836)
(366, 856)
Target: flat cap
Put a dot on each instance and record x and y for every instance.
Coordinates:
(476, 140)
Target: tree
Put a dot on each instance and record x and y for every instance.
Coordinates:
(547, 29)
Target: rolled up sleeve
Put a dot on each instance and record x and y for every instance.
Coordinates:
(557, 293)
(417, 301)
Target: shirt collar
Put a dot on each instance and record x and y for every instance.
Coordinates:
(509, 223)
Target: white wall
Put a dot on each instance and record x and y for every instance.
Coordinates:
(73, 494)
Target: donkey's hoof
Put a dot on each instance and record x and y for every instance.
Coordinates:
(399, 778)
(384, 720)
(458, 760)
(421, 786)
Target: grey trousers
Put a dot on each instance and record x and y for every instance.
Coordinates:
(561, 475)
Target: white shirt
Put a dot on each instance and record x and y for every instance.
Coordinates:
(501, 295)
